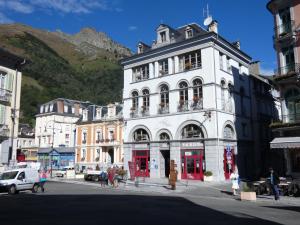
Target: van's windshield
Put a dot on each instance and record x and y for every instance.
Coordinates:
(8, 175)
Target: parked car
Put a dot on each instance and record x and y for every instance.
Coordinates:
(13, 181)
(62, 172)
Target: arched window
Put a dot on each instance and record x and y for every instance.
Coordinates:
(228, 132)
(223, 94)
(164, 136)
(183, 96)
(191, 131)
(135, 100)
(140, 135)
(164, 99)
(197, 94)
(292, 100)
(146, 102)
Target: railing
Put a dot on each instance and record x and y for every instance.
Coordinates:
(139, 77)
(5, 95)
(145, 111)
(192, 105)
(190, 66)
(284, 30)
(288, 69)
(134, 113)
(163, 109)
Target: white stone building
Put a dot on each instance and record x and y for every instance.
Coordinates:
(188, 98)
(10, 90)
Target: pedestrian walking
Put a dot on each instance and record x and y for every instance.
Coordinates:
(234, 177)
(43, 179)
(274, 181)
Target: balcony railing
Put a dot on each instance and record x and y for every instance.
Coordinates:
(134, 113)
(139, 77)
(192, 105)
(288, 69)
(5, 95)
(284, 30)
(145, 111)
(163, 109)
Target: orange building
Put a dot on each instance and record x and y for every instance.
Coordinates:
(99, 137)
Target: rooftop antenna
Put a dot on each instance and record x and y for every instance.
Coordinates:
(208, 19)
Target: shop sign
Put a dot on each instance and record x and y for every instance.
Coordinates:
(164, 145)
(188, 153)
(191, 145)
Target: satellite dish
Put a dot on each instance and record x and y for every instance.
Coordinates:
(207, 21)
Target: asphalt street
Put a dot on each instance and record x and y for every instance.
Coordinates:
(65, 203)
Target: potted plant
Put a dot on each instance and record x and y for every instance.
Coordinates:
(208, 176)
(247, 193)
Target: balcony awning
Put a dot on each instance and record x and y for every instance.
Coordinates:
(285, 142)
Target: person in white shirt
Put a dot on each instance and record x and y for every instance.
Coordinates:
(234, 177)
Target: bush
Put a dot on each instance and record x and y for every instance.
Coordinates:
(246, 188)
(208, 173)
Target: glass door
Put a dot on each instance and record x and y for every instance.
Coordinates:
(192, 165)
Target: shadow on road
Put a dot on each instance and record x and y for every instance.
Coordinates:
(111, 209)
(290, 208)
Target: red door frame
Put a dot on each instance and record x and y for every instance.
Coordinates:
(226, 164)
(195, 175)
(137, 162)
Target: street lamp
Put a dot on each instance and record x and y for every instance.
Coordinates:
(52, 143)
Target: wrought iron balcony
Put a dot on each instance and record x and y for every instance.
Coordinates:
(288, 69)
(191, 105)
(5, 95)
(163, 108)
(284, 30)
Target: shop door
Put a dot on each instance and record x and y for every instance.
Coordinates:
(141, 163)
(192, 166)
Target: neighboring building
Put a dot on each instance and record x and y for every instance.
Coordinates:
(10, 90)
(56, 125)
(188, 98)
(100, 137)
(287, 45)
(26, 148)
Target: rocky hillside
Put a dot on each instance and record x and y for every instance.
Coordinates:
(89, 41)
(82, 66)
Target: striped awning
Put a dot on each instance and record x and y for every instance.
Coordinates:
(285, 142)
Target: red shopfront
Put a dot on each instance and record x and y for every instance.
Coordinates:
(192, 160)
(141, 159)
(229, 161)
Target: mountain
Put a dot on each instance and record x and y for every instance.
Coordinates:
(83, 66)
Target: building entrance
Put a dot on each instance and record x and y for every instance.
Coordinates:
(191, 164)
(165, 163)
(141, 162)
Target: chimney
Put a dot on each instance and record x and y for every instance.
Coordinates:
(213, 27)
(255, 67)
(237, 44)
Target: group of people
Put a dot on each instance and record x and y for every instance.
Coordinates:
(272, 177)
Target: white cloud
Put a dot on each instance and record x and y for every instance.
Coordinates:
(19, 6)
(4, 19)
(132, 28)
(267, 71)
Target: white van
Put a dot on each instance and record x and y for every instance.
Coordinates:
(13, 181)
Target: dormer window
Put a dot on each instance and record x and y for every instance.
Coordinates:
(98, 113)
(188, 33)
(163, 36)
(140, 49)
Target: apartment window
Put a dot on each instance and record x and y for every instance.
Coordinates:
(83, 154)
(242, 96)
(228, 64)
(140, 73)
(98, 136)
(164, 99)
(228, 132)
(51, 107)
(46, 108)
(285, 18)
(42, 109)
(163, 67)
(98, 113)
(84, 136)
(97, 155)
(230, 97)
(163, 36)
(73, 110)
(221, 61)
(140, 135)
(146, 101)
(65, 108)
(135, 100)
(111, 135)
(183, 96)
(240, 68)
(189, 33)
(292, 99)
(223, 94)
(85, 115)
(191, 60)
(3, 77)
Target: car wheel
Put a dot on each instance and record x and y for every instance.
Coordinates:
(12, 190)
(35, 188)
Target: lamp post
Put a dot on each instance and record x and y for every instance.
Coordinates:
(52, 142)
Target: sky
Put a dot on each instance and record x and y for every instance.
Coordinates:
(131, 21)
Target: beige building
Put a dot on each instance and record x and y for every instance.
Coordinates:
(10, 90)
(99, 137)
